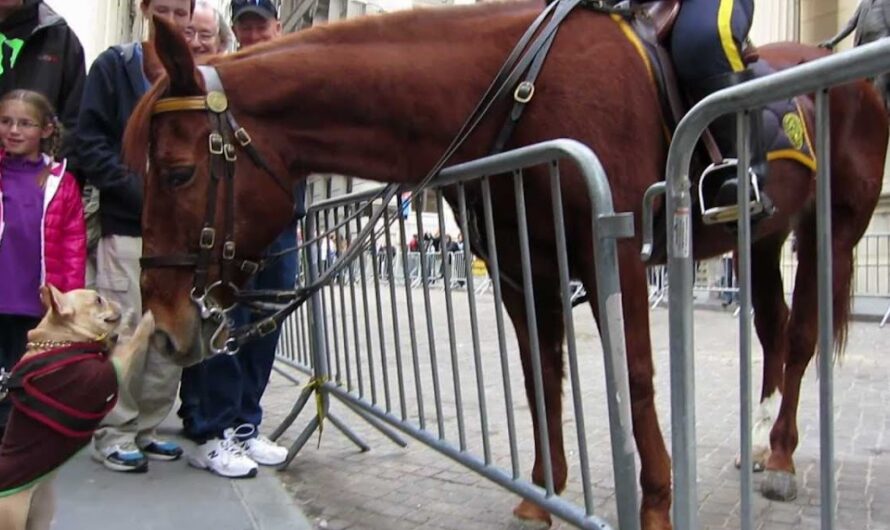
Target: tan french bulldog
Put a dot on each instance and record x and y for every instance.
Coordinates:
(79, 316)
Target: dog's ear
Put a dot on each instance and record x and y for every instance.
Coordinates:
(54, 301)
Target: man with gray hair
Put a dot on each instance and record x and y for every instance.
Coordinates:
(209, 33)
(871, 21)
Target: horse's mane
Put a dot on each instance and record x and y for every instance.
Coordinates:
(420, 24)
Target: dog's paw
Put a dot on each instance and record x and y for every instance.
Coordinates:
(145, 328)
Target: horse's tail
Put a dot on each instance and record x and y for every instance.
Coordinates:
(843, 304)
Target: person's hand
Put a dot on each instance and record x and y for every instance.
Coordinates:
(827, 44)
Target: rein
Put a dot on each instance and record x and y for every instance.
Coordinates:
(526, 59)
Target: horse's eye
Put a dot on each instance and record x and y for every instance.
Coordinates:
(179, 176)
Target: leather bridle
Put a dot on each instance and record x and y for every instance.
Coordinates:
(224, 132)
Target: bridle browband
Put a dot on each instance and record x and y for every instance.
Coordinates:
(515, 78)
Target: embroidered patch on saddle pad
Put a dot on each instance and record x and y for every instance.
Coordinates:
(785, 134)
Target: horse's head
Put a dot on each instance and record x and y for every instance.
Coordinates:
(201, 188)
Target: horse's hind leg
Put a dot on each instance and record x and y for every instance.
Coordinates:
(780, 482)
(771, 323)
(551, 331)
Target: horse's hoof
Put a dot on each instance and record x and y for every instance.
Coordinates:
(779, 485)
(531, 516)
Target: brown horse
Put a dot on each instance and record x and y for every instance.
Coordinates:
(381, 97)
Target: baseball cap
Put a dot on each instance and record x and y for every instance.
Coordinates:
(263, 8)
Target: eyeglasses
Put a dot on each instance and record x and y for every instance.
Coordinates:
(22, 124)
(202, 36)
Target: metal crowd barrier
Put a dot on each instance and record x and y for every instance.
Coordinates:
(408, 353)
(814, 77)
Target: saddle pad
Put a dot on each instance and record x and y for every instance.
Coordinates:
(784, 134)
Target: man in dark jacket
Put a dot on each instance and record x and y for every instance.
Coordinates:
(114, 85)
(40, 52)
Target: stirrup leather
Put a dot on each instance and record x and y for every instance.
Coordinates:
(729, 213)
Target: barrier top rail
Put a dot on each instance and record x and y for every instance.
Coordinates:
(825, 72)
(523, 157)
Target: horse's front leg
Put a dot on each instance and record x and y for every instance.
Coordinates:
(655, 470)
(551, 331)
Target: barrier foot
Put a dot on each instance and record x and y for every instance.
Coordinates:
(299, 442)
(354, 438)
(886, 316)
(377, 424)
(292, 415)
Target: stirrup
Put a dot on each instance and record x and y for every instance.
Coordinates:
(729, 213)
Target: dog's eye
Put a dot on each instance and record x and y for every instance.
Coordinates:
(99, 300)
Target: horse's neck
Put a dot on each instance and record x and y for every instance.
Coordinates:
(380, 110)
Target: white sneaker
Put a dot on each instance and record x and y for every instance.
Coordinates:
(264, 451)
(224, 457)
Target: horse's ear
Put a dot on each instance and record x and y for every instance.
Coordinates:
(176, 57)
(151, 63)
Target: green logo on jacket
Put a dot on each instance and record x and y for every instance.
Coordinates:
(9, 52)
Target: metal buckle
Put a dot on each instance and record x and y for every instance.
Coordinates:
(228, 252)
(208, 238)
(242, 137)
(524, 92)
(250, 267)
(229, 151)
(264, 327)
(215, 142)
(224, 325)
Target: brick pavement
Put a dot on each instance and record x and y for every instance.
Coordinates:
(391, 488)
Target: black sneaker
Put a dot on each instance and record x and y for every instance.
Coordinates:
(161, 450)
(125, 457)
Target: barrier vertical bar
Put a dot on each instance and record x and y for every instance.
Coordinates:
(826, 311)
(532, 322)
(394, 305)
(474, 331)
(562, 259)
(412, 329)
(743, 122)
(430, 333)
(369, 345)
(680, 318)
(449, 313)
(495, 274)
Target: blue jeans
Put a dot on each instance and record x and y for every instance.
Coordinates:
(224, 391)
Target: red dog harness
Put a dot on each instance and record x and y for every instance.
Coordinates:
(59, 397)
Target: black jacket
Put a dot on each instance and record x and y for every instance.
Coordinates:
(114, 85)
(38, 51)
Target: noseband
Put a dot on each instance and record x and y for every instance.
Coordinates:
(222, 149)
